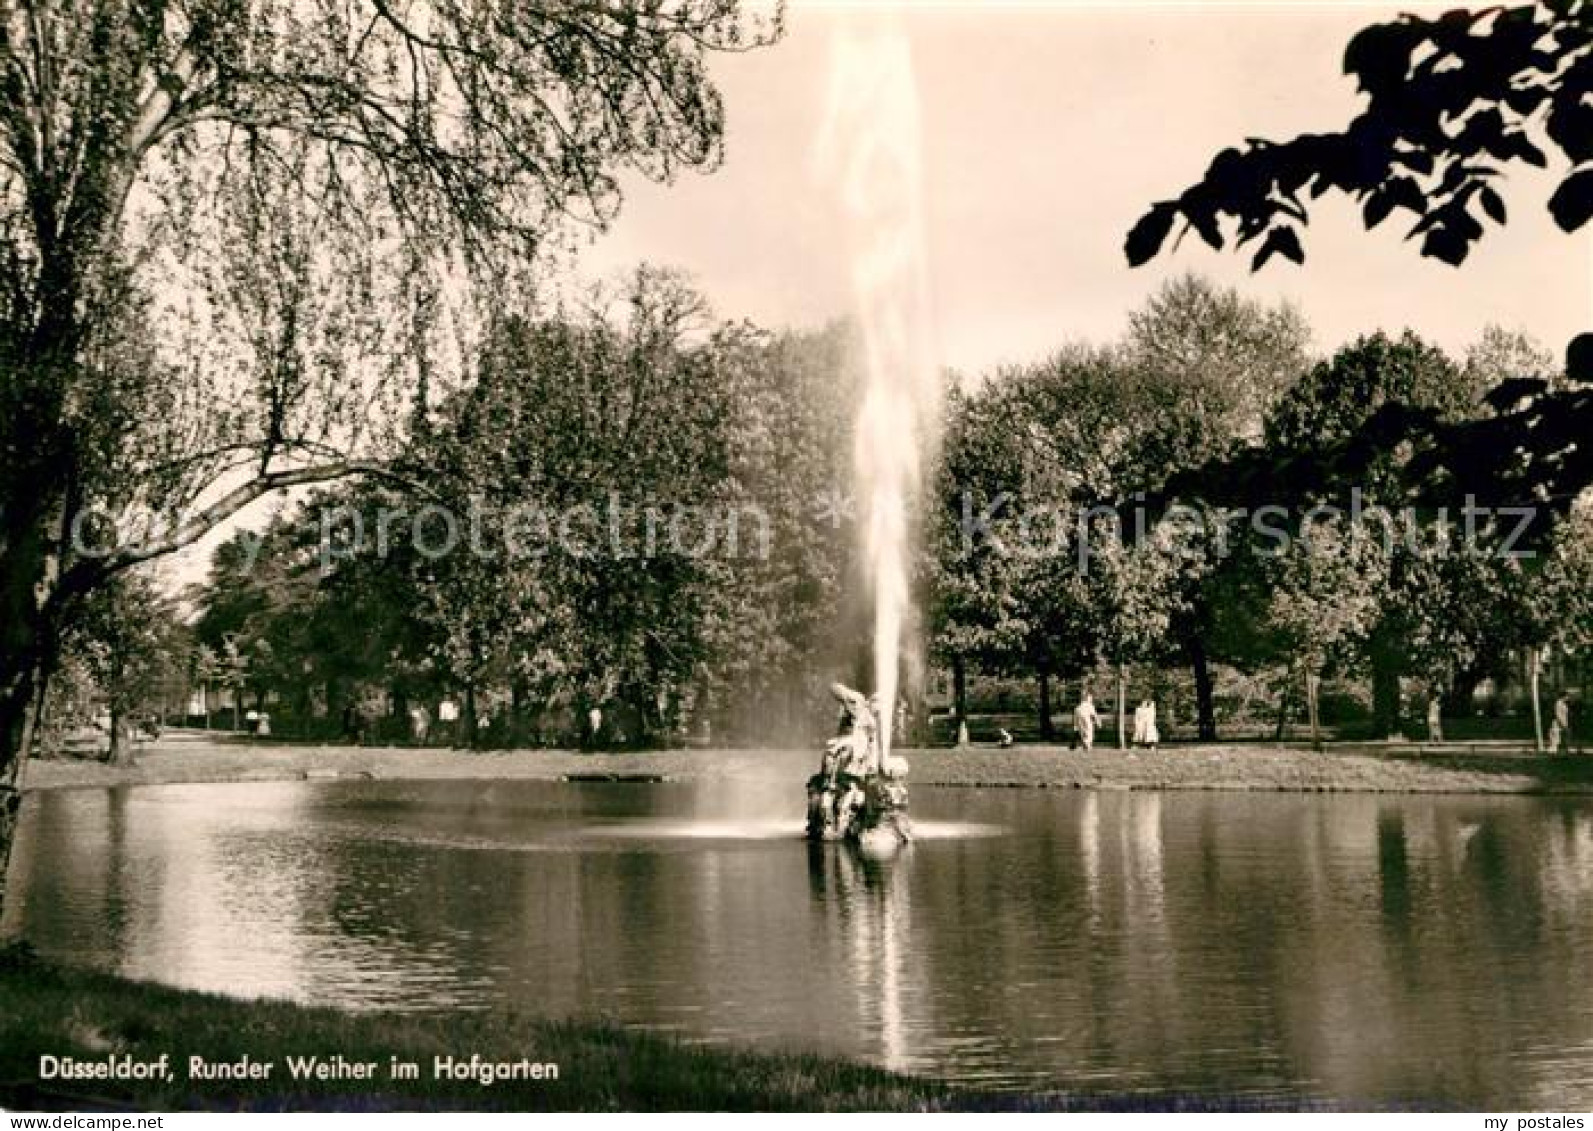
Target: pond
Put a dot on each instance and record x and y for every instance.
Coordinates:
(1370, 949)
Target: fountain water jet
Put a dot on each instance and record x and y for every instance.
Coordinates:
(870, 148)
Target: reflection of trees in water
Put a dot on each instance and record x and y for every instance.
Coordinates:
(70, 871)
(1425, 969)
(1565, 866)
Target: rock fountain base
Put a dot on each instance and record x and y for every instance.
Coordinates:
(859, 794)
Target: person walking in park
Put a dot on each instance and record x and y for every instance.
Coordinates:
(1145, 733)
(448, 718)
(1435, 716)
(1085, 719)
(1560, 726)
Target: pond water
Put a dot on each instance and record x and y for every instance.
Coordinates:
(1365, 949)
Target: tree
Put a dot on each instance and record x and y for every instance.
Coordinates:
(127, 639)
(1333, 401)
(1451, 102)
(1133, 589)
(206, 671)
(312, 181)
(1213, 364)
(1330, 407)
(609, 426)
(777, 620)
(971, 581)
(1551, 604)
(1501, 355)
(1211, 368)
(1326, 586)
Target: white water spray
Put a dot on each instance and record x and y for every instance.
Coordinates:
(870, 150)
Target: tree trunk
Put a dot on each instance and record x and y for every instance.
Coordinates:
(121, 751)
(519, 702)
(1205, 700)
(1385, 693)
(1313, 686)
(1285, 702)
(1122, 708)
(1534, 679)
(959, 690)
(1047, 730)
(470, 716)
(1460, 698)
(23, 690)
(10, 809)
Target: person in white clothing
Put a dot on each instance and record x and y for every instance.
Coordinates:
(1085, 719)
(1145, 733)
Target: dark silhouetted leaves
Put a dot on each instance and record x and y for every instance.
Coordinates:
(1492, 204)
(1146, 238)
(1572, 202)
(1513, 393)
(1279, 241)
(1579, 359)
(1460, 96)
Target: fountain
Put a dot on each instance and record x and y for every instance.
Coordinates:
(870, 149)
(859, 794)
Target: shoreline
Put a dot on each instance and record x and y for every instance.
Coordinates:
(249, 1046)
(1474, 768)
(127, 1046)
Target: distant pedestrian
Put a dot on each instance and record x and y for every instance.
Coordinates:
(262, 725)
(1005, 739)
(1085, 719)
(1435, 717)
(1560, 726)
(448, 717)
(594, 725)
(419, 724)
(1145, 733)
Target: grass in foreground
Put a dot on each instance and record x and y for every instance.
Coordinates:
(46, 1009)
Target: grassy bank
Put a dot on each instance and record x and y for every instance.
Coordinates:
(1368, 768)
(46, 1010)
(1376, 767)
(50, 1010)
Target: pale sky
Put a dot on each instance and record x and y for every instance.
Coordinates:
(1047, 129)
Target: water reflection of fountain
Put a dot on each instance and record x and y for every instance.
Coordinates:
(868, 902)
(1090, 856)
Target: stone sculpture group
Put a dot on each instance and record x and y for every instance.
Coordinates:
(859, 794)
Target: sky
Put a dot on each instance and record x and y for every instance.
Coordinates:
(1045, 131)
